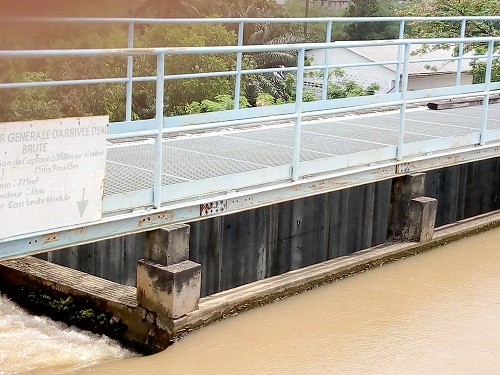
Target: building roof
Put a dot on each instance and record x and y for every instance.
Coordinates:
(390, 53)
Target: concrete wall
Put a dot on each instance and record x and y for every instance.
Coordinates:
(240, 248)
(114, 259)
(252, 245)
(464, 190)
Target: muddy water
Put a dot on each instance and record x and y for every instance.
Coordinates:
(435, 313)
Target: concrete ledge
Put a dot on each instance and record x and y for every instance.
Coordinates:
(120, 300)
(23, 277)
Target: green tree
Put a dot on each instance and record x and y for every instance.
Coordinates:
(452, 29)
(166, 9)
(271, 83)
(346, 88)
(179, 93)
(316, 32)
(370, 30)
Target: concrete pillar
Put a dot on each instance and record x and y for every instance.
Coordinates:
(168, 283)
(404, 189)
(422, 217)
(172, 290)
(168, 245)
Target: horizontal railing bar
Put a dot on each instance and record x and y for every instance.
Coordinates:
(92, 81)
(171, 77)
(142, 133)
(229, 123)
(244, 19)
(234, 49)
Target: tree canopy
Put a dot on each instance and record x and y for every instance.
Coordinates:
(190, 95)
(443, 29)
(436, 8)
(371, 30)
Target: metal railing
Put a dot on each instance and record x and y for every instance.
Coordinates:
(132, 24)
(296, 111)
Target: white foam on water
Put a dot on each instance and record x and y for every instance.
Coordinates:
(32, 344)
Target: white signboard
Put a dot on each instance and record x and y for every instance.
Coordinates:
(51, 173)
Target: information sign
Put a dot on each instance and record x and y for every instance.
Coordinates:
(51, 173)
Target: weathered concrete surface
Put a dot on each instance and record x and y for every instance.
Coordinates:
(114, 259)
(34, 275)
(159, 331)
(168, 245)
(465, 190)
(172, 290)
(252, 245)
(422, 218)
(404, 189)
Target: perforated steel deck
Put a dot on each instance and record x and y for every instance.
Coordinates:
(204, 156)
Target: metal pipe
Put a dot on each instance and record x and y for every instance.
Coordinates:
(460, 53)
(158, 162)
(239, 61)
(486, 98)
(130, 73)
(233, 49)
(298, 113)
(245, 19)
(401, 36)
(326, 71)
(402, 110)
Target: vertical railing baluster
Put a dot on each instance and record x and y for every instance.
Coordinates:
(239, 61)
(460, 53)
(158, 163)
(298, 114)
(486, 98)
(402, 108)
(324, 91)
(397, 81)
(130, 72)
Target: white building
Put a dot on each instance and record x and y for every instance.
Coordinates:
(421, 75)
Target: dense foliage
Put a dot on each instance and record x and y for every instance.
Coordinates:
(371, 30)
(195, 95)
(429, 29)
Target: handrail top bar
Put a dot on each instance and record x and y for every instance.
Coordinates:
(234, 49)
(247, 20)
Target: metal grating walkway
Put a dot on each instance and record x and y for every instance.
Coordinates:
(197, 157)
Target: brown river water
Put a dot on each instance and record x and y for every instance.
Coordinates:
(434, 313)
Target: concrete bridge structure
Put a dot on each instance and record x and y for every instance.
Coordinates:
(263, 190)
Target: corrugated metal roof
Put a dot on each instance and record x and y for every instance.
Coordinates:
(389, 53)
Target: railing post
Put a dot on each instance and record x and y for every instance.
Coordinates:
(130, 72)
(160, 87)
(324, 91)
(239, 61)
(460, 53)
(402, 109)
(298, 114)
(486, 98)
(398, 66)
